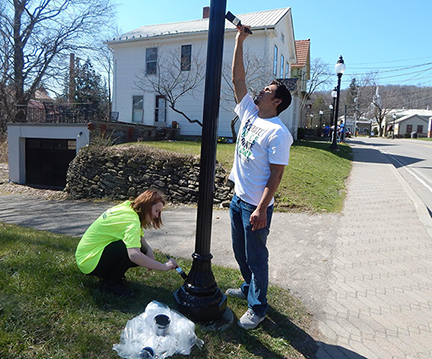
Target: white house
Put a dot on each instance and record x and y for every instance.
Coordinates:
(156, 56)
(408, 121)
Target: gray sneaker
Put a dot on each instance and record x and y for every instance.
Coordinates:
(235, 293)
(249, 320)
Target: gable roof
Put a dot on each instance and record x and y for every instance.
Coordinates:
(409, 112)
(408, 117)
(302, 52)
(257, 20)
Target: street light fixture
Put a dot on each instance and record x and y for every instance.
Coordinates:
(340, 69)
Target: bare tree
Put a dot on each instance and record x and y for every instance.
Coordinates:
(41, 33)
(173, 81)
(379, 111)
(320, 78)
(258, 75)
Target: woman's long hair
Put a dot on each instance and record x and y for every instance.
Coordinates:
(143, 206)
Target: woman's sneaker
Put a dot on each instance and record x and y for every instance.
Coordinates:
(235, 293)
(250, 320)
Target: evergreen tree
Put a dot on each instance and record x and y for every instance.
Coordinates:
(90, 89)
(351, 95)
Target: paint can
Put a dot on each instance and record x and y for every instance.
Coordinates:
(146, 353)
(162, 323)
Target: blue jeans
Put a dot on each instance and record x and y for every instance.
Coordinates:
(251, 253)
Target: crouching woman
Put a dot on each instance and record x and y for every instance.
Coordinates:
(115, 242)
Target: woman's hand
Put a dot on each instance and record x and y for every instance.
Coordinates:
(171, 264)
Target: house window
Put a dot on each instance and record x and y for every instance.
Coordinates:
(275, 68)
(186, 57)
(138, 109)
(409, 129)
(282, 66)
(160, 109)
(419, 128)
(287, 70)
(151, 60)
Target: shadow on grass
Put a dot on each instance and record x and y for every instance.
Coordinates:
(134, 305)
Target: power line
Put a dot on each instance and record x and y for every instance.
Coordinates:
(390, 61)
(392, 69)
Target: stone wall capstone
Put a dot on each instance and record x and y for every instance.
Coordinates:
(122, 172)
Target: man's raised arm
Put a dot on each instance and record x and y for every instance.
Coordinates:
(238, 71)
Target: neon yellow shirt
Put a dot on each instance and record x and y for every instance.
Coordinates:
(120, 222)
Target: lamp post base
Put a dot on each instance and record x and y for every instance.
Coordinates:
(199, 298)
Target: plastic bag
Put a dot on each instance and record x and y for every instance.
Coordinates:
(169, 334)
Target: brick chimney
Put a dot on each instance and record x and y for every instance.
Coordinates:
(206, 12)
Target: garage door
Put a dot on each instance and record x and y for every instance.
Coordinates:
(47, 161)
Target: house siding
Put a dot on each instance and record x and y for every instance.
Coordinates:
(129, 59)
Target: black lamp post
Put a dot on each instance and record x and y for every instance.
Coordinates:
(334, 120)
(394, 124)
(199, 297)
(340, 69)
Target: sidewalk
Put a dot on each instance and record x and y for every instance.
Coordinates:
(380, 297)
(365, 274)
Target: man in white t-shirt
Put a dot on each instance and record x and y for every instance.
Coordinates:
(262, 152)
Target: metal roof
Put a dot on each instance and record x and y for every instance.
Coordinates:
(256, 20)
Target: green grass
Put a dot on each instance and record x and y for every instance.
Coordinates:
(49, 309)
(313, 181)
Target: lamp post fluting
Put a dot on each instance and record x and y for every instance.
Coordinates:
(340, 69)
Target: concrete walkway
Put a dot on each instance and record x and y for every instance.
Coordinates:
(365, 274)
(380, 299)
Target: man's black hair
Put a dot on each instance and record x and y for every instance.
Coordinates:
(283, 94)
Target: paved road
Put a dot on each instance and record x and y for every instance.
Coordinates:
(413, 160)
(365, 274)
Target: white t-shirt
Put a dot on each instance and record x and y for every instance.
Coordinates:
(260, 142)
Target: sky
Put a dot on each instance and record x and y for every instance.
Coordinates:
(391, 37)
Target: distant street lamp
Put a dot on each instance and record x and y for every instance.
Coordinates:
(311, 117)
(340, 69)
(355, 116)
(333, 118)
(331, 107)
(394, 124)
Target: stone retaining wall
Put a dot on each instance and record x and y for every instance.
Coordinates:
(121, 172)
